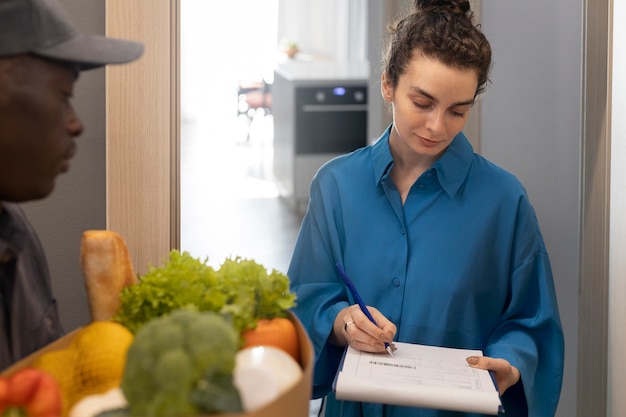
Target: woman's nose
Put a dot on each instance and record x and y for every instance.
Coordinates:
(436, 122)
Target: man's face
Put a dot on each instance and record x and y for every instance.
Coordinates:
(37, 125)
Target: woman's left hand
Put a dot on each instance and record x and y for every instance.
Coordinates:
(506, 374)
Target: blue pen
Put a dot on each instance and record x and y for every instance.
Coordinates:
(346, 280)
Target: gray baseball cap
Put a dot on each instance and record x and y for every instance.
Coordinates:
(42, 27)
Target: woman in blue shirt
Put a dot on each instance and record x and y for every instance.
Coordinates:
(443, 245)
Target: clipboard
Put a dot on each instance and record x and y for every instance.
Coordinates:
(418, 376)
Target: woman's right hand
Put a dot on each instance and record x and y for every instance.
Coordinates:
(352, 327)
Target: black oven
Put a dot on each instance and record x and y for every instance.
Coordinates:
(330, 119)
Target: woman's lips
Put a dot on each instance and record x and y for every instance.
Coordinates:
(427, 142)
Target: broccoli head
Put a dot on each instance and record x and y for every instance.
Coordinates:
(181, 364)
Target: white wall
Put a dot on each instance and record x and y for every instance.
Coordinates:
(325, 29)
(531, 126)
(616, 403)
(313, 25)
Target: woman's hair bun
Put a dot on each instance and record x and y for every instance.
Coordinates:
(455, 7)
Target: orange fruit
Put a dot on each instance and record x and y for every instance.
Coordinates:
(278, 332)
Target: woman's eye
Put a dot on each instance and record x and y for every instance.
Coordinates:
(421, 105)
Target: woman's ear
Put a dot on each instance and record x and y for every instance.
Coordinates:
(385, 89)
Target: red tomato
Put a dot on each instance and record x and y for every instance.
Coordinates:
(33, 391)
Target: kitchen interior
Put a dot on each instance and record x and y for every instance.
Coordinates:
(258, 119)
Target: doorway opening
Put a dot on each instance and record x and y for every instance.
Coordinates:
(230, 205)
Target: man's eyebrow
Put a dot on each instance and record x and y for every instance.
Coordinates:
(433, 98)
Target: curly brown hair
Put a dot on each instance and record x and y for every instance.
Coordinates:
(439, 29)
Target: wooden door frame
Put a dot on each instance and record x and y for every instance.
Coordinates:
(143, 131)
(595, 210)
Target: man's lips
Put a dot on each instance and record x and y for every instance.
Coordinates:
(65, 163)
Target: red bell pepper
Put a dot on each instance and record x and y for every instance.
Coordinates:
(30, 392)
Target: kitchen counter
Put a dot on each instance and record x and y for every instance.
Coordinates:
(302, 71)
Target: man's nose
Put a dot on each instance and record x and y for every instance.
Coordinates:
(74, 125)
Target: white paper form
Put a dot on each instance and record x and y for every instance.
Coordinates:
(418, 376)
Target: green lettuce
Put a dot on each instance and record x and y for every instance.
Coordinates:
(241, 290)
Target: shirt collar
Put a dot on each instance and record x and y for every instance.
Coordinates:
(452, 168)
(381, 156)
(454, 165)
(11, 235)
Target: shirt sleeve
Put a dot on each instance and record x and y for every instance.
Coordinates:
(529, 334)
(315, 283)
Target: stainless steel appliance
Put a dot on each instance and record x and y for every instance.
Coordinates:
(320, 112)
(330, 118)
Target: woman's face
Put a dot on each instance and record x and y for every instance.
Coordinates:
(430, 106)
(38, 126)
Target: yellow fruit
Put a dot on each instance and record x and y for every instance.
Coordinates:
(59, 364)
(92, 364)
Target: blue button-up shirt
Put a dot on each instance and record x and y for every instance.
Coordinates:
(462, 263)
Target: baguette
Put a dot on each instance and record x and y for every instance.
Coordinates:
(107, 269)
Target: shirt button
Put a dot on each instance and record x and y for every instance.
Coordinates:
(429, 175)
(421, 186)
(396, 282)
